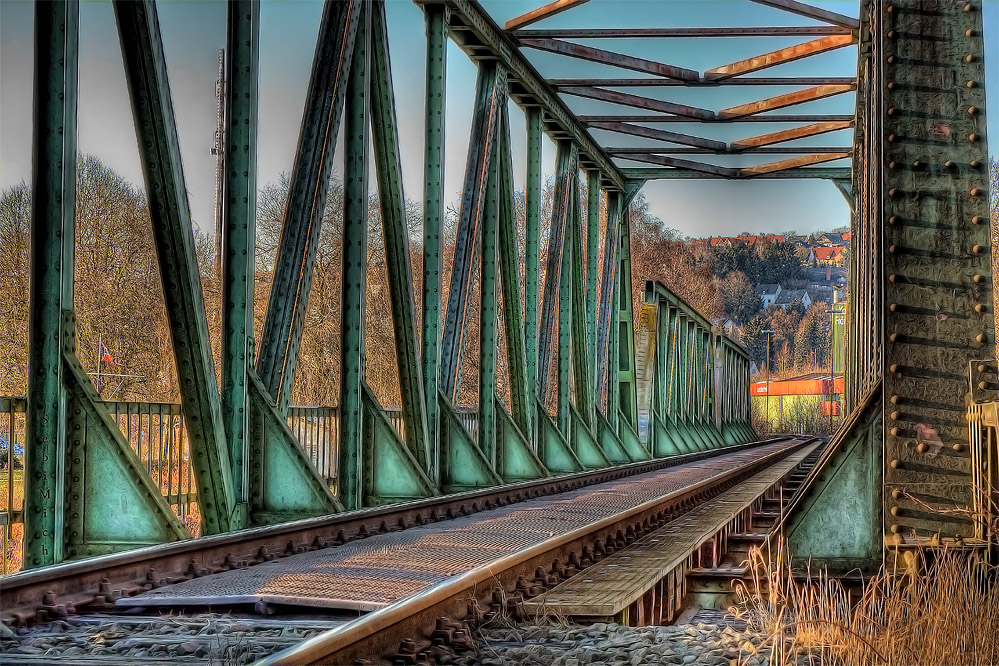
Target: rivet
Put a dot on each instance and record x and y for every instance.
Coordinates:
(980, 308)
(894, 400)
(895, 431)
(976, 249)
(892, 164)
(970, 32)
(968, 7)
(891, 249)
(895, 464)
(892, 85)
(891, 138)
(894, 219)
(972, 110)
(917, 164)
(973, 138)
(892, 111)
(894, 367)
(894, 416)
(891, 59)
(984, 386)
(976, 192)
(970, 58)
(977, 219)
(891, 35)
(958, 447)
(893, 192)
(894, 511)
(893, 307)
(980, 338)
(894, 337)
(922, 447)
(972, 83)
(974, 164)
(978, 278)
(892, 278)
(895, 529)
(950, 164)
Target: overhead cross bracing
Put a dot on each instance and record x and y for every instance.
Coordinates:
(604, 63)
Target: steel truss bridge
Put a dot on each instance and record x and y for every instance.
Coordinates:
(587, 396)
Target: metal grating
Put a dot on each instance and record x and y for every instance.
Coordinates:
(374, 572)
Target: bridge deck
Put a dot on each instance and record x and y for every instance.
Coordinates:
(610, 586)
(379, 570)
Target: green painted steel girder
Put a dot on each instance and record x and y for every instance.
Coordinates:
(521, 389)
(159, 150)
(580, 317)
(490, 96)
(532, 231)
(592, 245)
(437, 18)
(602, 358)
(353, 282)
(310, 176)
(239, 229)
(385, 137)
(53, 203)
(487, 313)
(565, 170)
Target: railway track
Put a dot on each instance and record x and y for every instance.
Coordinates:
(145, 607)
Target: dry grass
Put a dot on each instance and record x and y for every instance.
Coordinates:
(940, 609)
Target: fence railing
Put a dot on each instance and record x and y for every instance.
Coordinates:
(157, 434)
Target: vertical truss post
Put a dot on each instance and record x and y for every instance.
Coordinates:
(626, 362)
(522, 403)
(437, 18)
(531, 232)
(239, 228)
(565, 161)
(310, 176)
(385, 135)
(602, 358)
(490, 97)
(354, 272)
(563, 308)
(592, 244)
(53, 201)
(581, 311)
(159, 150)
(487, 315)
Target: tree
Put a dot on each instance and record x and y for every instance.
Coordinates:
(738, 296)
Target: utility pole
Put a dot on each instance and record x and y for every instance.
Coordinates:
(770, 428)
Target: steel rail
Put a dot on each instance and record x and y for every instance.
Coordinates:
(25, 598)
(378, 633)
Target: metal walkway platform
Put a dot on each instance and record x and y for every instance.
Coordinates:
(613, 584)
(374, 572)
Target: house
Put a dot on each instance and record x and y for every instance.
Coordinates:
(788, 296)
(768, 293)
(726, 326)
(829, 256)
(833, 240)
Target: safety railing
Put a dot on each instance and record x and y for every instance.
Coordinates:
(157, 434)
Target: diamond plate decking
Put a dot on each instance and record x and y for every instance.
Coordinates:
(377, 571)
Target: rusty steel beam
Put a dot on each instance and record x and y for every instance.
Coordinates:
(638, 33)
(785, 100)
(825, 173)
(659, 118)
(610, 58)
(543, 12)
(639, 102)
(801, 9)
(670, 150)
(740, 81)
(660, 135)
(753, 142)
(793, 163)
(474, 31)
(780, 57)
(701, 167)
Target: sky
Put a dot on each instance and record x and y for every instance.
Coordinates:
(194, 31)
